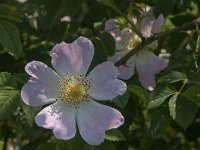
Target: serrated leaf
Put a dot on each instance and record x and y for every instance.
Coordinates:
(9, 39)
(7, 79)
(193, 94)
(9, 96)
(182, 110)
(172, 106)
(114, 135)
(109, 42)
(172, 77)
(159, 96)
(9, 99)
(121, 101)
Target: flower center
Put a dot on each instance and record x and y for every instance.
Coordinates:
(74, 89)
(131, 40)
(146, 33)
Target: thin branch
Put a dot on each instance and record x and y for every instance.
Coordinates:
(186, 26)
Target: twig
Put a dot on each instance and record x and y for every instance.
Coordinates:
(186, 26)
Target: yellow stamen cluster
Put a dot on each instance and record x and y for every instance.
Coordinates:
(131, 40)
(131, 43)
(74, 89)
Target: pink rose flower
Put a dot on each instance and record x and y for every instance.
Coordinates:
(71, 93)
(146, 63)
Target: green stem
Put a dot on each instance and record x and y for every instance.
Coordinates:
(183, 85)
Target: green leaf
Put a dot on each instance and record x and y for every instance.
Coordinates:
(193, 94)
(9, 99)
(71, 7)
(138, 91)
(172, 106)
(6, 79)
(30, 128)
(9, 96)
(49, 146)
(21, 77)
(106, 145)
(172, 77)
(100, 53)
(64, 145)
(114, 135)
(183, 4)
(54, 27)
(8, 12)
(7, 9)
(9, 38)
(195, 77)
(164, 7)
(30, 113)
(159, 96)
(108, 3)
(182, 110)
(78, 144)
(159, 120)
(109, 42)
(121, 101)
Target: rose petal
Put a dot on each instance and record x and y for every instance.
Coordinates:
(36, 93)
(117, 56)
(110, 24)
(125, 72)
(112, 27)
(104, 82)
(94, 119)
(72, 58)
(147, 66)
(146, 26)
(43, 87)
(42, 72)
(158, 24)
(60, 117)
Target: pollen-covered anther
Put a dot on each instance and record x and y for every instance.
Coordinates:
(74, 89)
(131, 40)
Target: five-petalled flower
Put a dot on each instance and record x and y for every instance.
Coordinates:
(145, 62)
(71, 92)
